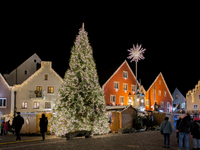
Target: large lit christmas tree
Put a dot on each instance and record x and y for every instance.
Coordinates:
(80, 105)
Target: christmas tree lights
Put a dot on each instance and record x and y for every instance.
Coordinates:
(80, 105)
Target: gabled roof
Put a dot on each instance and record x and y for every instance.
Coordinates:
(177, 90)
(160, 74)
(2, 78)
(37, 72)
(25, 62)
(115, 70)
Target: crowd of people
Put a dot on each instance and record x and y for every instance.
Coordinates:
(185, 127)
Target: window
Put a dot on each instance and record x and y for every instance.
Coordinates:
(147, 102)
(176, 97)
(125, 74)
(159, 92)
(2, 102)
(47, 104)
(36, 105)
(162, 104)
(121, 99)
(183, 105)
(25, 72)
(195, 106)
(50, 89)
(159, 82)
(46, 77)
(38, 91)
(24, 105)
(112, 98)
(199, 96)
(168, 106)
(116, 85)
(34, 60)
(133, 87)
(125, 86)
(165, 93)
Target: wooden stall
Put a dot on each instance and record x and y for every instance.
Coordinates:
(121, 117)
(31, 122)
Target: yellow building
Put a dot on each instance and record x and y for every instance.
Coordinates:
(193, 100)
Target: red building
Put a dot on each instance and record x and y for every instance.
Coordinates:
(158, 92)
(120, 84)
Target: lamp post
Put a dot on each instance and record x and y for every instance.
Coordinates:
(136, 54)
(129, 99)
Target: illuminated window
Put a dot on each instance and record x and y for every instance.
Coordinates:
(125, 74)
(50, 89)
(116, 85)
(159, 82)
(112, 98)
(2, 102)
(46, 77)
(38, 91)
(183, 105)
(47, 104)
(125, 86)
(24, 105)
(168, 106)
(159, 92)
(133, 87)
(121, 99)
(165, 93)
(36, 105)
(162, 104)
(176, 97)
(147, 102)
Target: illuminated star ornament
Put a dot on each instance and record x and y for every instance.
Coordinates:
(136, 53)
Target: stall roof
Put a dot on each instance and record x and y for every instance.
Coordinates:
(118, 108)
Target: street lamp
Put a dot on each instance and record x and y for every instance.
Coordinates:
(129, 99)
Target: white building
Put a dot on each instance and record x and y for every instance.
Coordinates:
(38, 93)
(179, 101)
(24, 71)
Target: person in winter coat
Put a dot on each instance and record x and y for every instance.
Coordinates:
(184, 131)
(195, 132)
(18, 121)
(5, 128)
(166, 129)
(43, 126)
(177, 125)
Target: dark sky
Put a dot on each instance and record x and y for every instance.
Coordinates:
(169, 32)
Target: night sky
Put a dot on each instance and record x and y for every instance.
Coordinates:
(169, 32)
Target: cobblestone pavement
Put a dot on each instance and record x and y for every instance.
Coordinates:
(149, 140)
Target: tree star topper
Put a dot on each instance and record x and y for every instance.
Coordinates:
(136, 53)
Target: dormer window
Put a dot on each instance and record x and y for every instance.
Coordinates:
(125, 74)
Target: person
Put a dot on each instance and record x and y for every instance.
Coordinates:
(195, 132)
(43, 126)
(166, 129)
(184, 131)
(2, 125)
(5, 128)
(18, 121)
(177, 125)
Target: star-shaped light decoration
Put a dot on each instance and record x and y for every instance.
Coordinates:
(136, 53)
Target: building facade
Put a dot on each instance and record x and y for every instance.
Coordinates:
(159, 94)
(24, 71)
(6, 99)
(179, 101)
(38, 93)
(120, 87)
(193, 100)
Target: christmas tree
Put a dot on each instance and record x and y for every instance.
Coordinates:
(80, 105)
